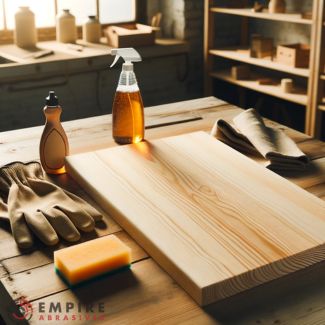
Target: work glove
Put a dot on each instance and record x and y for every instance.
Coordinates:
(3, 211)
(37, 206)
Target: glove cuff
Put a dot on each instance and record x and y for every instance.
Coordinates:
(18, 172)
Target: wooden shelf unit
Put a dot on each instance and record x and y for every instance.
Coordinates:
(317, 93)
(241, 56)
(211, 53)
(299, 97)
(247, 12)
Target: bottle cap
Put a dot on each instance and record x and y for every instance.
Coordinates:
(51, 99)
(127, 66)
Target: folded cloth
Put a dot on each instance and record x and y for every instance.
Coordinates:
(250, 134)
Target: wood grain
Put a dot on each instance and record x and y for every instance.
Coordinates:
(136, 297)
(216, 221)
(299, 303)
(43, 281)
(3, 271)
(44, 256)
(318, 190)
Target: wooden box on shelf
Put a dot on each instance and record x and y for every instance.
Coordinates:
(261, 47)
(295, 55)
(240, 72)
(130, 35)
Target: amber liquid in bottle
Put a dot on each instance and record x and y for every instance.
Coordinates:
(128, 117)
(128, 120)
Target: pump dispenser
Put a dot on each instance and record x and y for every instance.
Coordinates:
(54, 146)
(128, 116)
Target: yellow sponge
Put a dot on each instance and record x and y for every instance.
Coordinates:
(90, 259)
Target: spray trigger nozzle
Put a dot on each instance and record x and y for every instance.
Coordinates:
(128, 54)
(115, 60)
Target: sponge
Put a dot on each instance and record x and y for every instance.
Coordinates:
(87, 260)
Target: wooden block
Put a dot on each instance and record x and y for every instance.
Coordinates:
(268, 81)
(307, 15)
(240, 72)
(130, 35)
(277, 6)
(295, 55)
(216, 221)
(258, 7)
(261, 47)
(287, 85)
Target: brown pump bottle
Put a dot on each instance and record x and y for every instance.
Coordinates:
(54, 146)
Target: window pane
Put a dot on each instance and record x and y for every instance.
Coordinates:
(113, 11)
(1, 16)
(81, 9)
(43, 10)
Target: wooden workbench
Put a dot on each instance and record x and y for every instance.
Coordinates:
(147, 295)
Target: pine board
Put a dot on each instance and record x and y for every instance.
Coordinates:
(216, 221)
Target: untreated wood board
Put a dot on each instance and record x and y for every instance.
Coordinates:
(215, 220)
(145, 295)
(44, 256)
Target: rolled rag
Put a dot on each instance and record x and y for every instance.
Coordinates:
(250, 134)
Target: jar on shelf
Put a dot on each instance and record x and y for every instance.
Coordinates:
(91, 30)
(25, 34)
(66, 29)
(277, 6)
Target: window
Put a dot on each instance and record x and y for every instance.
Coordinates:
(43, 11)
(2, 25)
(81, 12)
(110, 11)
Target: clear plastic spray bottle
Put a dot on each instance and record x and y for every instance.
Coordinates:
(128, 116)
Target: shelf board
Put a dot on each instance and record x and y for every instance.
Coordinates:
(322, 76)
(240, 55)
(299, 97)
(247, 12)
(321, 107)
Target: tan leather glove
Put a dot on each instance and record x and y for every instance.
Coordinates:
(40, 207)
(3, 211)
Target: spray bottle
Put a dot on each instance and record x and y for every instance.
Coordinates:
(128, 117)
(54, 146)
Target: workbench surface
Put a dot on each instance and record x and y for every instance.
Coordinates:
(148, 295)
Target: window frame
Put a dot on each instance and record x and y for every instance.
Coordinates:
(49, 33)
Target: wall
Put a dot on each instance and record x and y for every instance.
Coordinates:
(87, 93)
(162, 79)
(227, 33)
(183, 19)
(284, 33)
